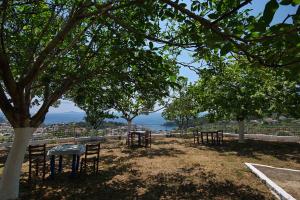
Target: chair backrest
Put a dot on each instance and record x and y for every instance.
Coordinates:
(35, 151)
(92, 149)
(148, 134)
(195, 132)
(209, 132)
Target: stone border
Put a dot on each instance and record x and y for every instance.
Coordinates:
(282, 194)
(262, 137)
(270, 138)
(73, 139)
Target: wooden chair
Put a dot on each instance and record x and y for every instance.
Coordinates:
(92, 154)
(130, 139)
(196, 136)
(220, 137)
(37, 156)
(217, 137)
(148, 139)
(202, 133)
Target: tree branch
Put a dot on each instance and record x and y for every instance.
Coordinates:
(206, 23)
(149, 37)
(217, 30)
(228, 14)
(67, 27)
(8, 79)
(3, 10)
(38, 118)
(59, 38)
(6, 107)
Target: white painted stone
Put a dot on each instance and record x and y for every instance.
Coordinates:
(283, 195)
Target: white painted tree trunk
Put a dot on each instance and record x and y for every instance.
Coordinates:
(181, 126)
(241, 131)
(9, 183)
(129, 125)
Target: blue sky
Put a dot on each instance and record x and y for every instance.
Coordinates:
(257, 7)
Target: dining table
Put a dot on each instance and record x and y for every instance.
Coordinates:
(141, 136)
(65, 150)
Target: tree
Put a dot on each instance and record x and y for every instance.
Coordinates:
(142, 80)
(46, 47)
(95, 117)
(239, 91)
(227, 27)
(183, 108)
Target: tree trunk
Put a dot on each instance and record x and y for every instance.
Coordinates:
(9, 185)
(129, 126)
(187, 125)
(241, 123)
(181, 126)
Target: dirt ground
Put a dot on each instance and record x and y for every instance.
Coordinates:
(287, 180)
(173, 168)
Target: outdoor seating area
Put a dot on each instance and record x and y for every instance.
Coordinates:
(140, 77)
(82, 155)
(139, 139)
(208, 137)
(171, 169)
(37, 158)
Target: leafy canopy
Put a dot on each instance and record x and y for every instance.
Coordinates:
(237, 91)
(227, 29)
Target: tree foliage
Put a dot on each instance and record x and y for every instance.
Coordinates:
(49, 46)
(227, 28)
(182, 108)
(142, 79)
(237, 91)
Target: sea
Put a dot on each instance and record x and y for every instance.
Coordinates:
(153, 121)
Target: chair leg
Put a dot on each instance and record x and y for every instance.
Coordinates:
(29, 173)
(222, 138)
(77, 163)
(194, 139)
(97, 165)
(37, 168)
(44, 169)
(94, 166)
(81, 165)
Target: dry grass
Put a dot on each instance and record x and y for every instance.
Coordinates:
(173, 168)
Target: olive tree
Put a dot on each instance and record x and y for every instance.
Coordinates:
(182, 108)
(46, 47)
(141, 82)
(237, 91)
(228, 27)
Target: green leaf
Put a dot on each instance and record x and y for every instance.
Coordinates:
(151, 45)
(286, 2)
(296, 2)
(182, 5)
(225, 49)
(213, 16)
(269, 12)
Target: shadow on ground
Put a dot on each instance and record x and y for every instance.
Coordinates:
(282, 151)
(151, 152)
(188, 183)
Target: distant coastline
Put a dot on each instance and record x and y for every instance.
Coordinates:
(153, 121)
